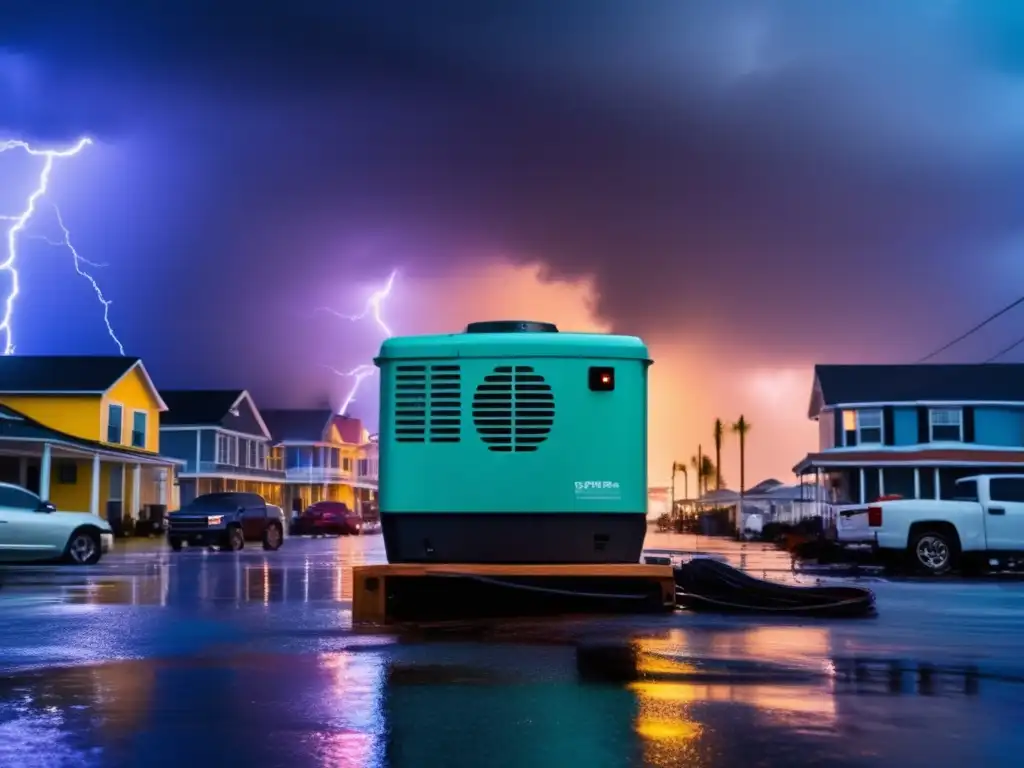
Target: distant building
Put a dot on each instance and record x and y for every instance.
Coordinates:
(326, 457)
(224, 442)
(912, 430)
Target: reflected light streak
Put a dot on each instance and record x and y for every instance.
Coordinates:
(355, 737)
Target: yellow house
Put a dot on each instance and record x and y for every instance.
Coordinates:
(322, 455)
(84, 433)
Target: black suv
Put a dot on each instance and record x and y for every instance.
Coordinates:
(226, 520)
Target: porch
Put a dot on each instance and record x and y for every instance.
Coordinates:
(80, 478)
(844, 479)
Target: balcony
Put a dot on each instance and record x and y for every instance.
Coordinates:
(216, 468)
(318, 475)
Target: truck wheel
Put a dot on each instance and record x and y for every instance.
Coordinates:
(272, 537)
(933, 552)
(234, 540)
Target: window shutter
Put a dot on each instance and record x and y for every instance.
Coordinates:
(888, 426)
(923, 432)
(968, 417)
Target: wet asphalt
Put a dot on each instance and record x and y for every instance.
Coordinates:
(210, 659)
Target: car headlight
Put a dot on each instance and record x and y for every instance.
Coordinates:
(214, 519)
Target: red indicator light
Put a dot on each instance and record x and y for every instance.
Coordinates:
(601, 379)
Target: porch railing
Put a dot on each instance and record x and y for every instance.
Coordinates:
(210, 467)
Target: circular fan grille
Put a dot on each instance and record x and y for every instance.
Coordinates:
(513, 409)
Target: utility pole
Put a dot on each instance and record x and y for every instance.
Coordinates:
(700, 470)
(672, 498)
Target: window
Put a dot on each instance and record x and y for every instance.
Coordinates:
(139, 419)
(947, 424)
(926, 479)
(18, 498)
(114, 415)
(243, 452)
(346, 465)
(254, 454)
(67, 473)
(261, 455)
(869, 427)
(898, 481)
(294, 458)
(1007, 489)
(223, 449)
(849, 421)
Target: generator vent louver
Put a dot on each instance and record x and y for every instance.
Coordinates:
(428, 404)
(513, 409)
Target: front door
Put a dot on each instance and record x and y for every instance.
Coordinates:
(1004, 514)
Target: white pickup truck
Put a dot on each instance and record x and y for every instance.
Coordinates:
(983, 524)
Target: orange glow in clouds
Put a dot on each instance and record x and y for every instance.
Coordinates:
(692, 382)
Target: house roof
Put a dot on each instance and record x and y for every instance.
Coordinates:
(350, 429)
(298, 424)
(765, 486)
(187, 407)
(15, 425)
(57, 374)
(995, 382)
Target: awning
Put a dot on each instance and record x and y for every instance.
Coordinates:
(926, 457)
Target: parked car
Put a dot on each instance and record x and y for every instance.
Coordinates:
(983, 524)
(328, 518)
(226, 520)
(32, 530)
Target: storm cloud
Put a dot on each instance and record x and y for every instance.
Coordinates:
(783, 181)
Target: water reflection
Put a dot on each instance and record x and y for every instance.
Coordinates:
(461, 704)
(240, 581)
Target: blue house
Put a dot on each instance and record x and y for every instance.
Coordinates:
(912, 430)
(224, 441)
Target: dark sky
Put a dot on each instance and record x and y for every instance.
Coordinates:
(773, 182)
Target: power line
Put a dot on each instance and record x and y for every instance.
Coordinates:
(1002, 352)
(977, 328)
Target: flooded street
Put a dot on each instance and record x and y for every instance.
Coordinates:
(203, 658)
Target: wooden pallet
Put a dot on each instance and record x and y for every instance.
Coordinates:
(377, 591)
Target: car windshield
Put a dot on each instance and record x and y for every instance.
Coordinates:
(224, 501)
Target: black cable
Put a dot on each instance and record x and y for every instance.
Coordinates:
(805, 608)
(543, 590)
(974, 330)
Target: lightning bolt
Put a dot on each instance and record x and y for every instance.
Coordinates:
(374, 308)
(20, 222)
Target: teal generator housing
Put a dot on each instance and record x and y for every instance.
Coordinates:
(513, 443)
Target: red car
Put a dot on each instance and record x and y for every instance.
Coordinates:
(328, 517)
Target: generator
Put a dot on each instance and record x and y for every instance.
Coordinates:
(513, 443)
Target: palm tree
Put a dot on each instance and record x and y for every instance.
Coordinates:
(741, 428)
(719, 434)
(704, 471)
